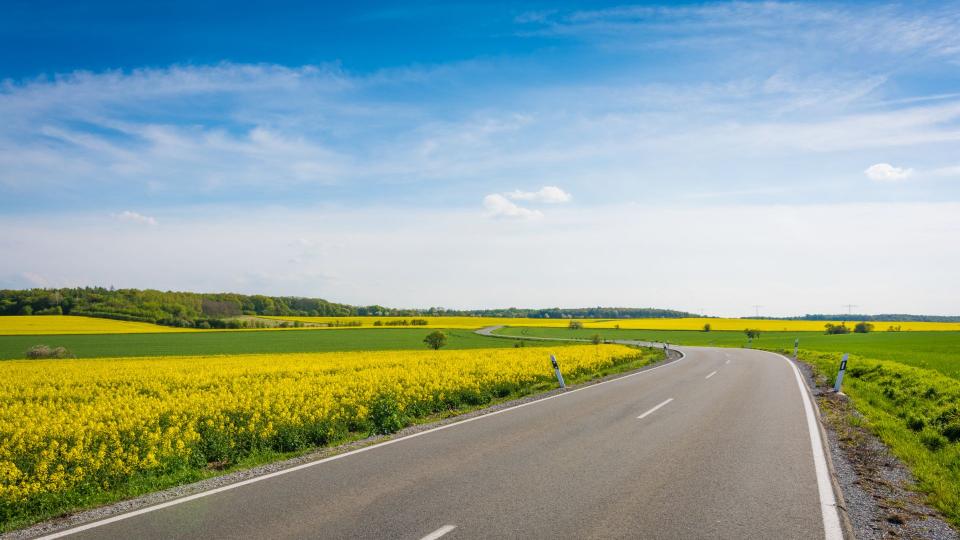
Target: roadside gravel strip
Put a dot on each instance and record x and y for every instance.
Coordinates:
(62, 524)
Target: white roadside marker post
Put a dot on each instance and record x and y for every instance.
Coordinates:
(843, 367)
(796, 347)
(556, 371)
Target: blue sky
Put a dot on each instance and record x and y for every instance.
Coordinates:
(706, 156)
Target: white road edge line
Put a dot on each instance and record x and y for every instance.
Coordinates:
(439, 532)
(228, 487)
(828, 501)
(712, 373)
(653, 410)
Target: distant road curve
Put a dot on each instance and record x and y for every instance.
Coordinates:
(723, 443)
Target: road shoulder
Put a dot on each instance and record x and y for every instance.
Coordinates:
(878, 498)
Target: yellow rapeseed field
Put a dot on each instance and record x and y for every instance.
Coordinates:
(462, 323)
(18, 325)
(765, 325)
(75, 427)
(692, 323)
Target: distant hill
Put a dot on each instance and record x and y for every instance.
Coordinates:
(219, 310)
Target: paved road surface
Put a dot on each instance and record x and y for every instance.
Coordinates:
(715, 445)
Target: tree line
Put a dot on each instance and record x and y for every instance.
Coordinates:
(221, 310)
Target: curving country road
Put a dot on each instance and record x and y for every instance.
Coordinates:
(719, 444)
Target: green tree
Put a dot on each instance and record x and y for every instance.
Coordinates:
(596, 339)
(706, 327)
(752, 333)
(863, 328)
(435, 339)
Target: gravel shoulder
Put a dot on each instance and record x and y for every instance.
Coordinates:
(878, 493)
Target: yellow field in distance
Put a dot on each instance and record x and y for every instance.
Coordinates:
(69, 324)
(21, 325)
(633, 324)
(465, 323)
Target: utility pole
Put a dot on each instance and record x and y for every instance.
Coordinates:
(850, 308)
(756, 309)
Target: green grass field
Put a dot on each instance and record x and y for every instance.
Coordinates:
(930, 350)
(267, 341)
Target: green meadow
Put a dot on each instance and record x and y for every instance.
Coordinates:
(252, 342)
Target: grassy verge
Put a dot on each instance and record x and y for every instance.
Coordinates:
(385, 418)
(253, 342)
(915, 412)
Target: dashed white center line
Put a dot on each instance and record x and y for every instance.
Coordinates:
(727, 362)
(439, 532)
(653, 410)
(712, 373)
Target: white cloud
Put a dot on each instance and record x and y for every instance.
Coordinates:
(499, 206)
(546, 194)
(885, 172)
(134, 217)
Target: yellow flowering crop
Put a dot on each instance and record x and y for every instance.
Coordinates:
(692, 323)
(74, 427)
(14, 325)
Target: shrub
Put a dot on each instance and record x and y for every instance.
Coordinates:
(863, 328)
(575, 325)
(45, 351)
(752, 333)
(836, 328)
(596, 339)
(706, 327)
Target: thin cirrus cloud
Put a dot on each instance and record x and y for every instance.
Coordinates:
(885, 172)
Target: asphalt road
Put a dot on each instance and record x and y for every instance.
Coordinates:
(715, 445)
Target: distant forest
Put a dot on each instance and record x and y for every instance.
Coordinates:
(203, 310)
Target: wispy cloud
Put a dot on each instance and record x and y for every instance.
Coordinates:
(884, 28)
(137, 218)
(546, 194)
